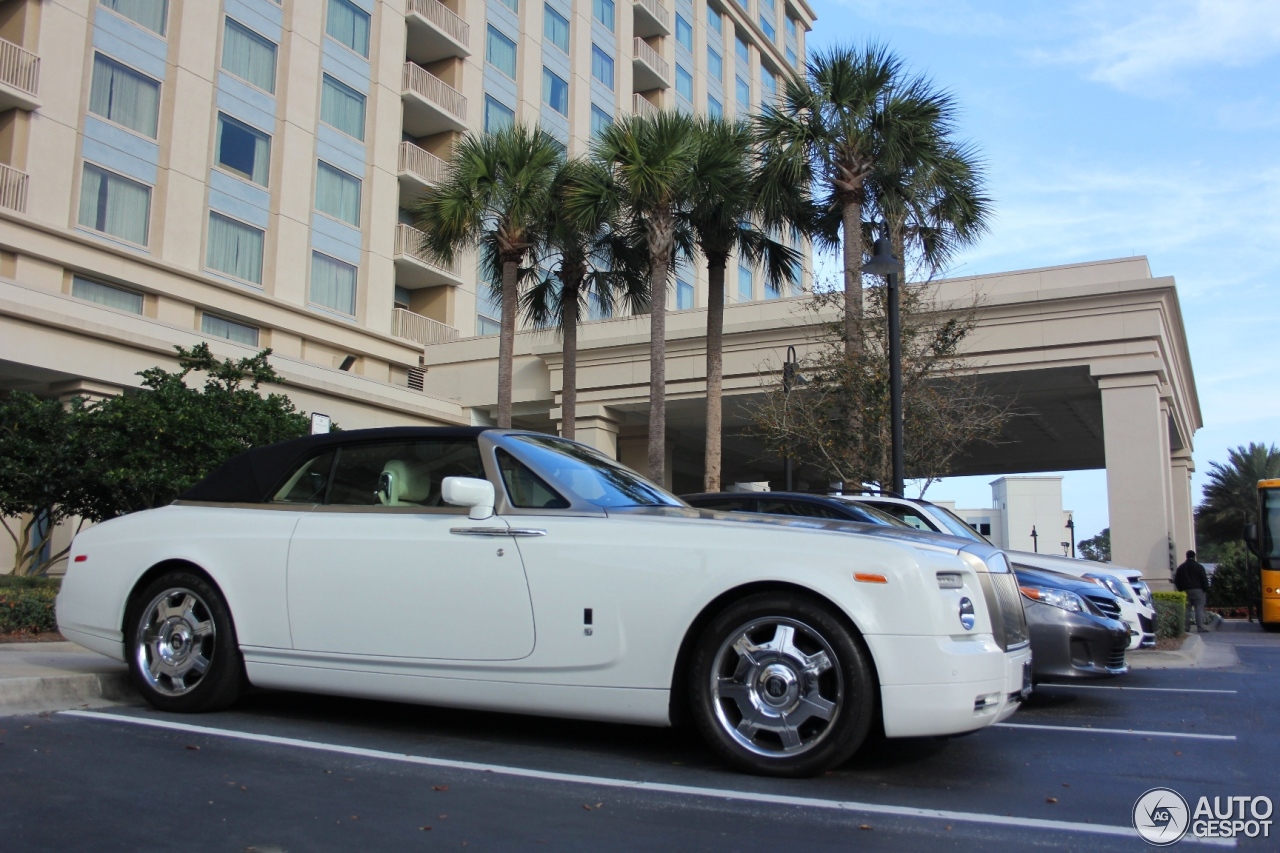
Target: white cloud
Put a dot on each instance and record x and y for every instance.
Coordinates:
(1142, 45)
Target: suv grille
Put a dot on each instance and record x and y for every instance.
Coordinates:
(1116, 658)
(1012, 630)
(1109, 607)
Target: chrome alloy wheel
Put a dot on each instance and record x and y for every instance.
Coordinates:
(776, 687)
(175, 641)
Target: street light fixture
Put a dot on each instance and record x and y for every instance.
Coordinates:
(790, 378)
(1071, 525)
(883, 263)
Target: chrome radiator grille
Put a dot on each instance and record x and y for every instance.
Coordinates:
(1004, 599)
(1109, 607)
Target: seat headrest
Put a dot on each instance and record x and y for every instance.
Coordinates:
(403, 485)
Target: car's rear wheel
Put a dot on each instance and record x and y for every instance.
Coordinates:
(780, 686)
(183, 652)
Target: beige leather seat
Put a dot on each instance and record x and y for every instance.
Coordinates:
(403, 485)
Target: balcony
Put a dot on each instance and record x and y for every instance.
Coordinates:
(415, 267)
(414, 327)
(651, 19)
(642, 106)
(19, 78)
(649, 70)
(417, 169)
(430, 104)
(13, 189)
(435, 32)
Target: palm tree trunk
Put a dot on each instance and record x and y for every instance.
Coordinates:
(660, 230)
(569, 372)
(851, 226)
(507, 341)
(715, 371)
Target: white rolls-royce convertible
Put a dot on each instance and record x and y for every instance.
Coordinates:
(515, 571)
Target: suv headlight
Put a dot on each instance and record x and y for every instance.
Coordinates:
(1113, 586)
(1055, 598)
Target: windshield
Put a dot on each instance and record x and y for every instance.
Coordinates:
(955, 526)
(590, 475)
(1270, 526)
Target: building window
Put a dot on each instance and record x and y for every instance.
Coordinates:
(513, 5)
(348, 25)
(555, 28)
(714, 22)
(715, 65)
(333, 284)
(124, 96)
(684, 33)
(791, 26)
(497, 115)
(602, 66)
(745, 4)
(599, 120)
(488, 313)
(744, 53)
(337, 194)
(500, 52)
(342, 108)
(249, 56)
(714, 108)
(114, 205)
(791, 57)
(770, 291)
(770, 31)
(684, 295)
(745, 288)
(147, 13)
(221, 327)
(106, 294)
(603, 11)
(743, 90)
(234, 248)
(242, 150)
(770, 82)
(555, 92)
(684, 83)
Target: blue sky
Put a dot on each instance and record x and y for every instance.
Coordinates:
(1113, 128)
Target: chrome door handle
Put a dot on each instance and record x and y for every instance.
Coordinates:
(497, 531)
(480, 531)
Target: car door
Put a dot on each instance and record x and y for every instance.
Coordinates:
(384, 568)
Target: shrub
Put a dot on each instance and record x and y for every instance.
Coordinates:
(27, 605)
(1171, 614)
(1232, 583)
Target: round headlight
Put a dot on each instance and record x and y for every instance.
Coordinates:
(967, 617)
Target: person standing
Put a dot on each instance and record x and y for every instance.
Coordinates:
(1191, 578)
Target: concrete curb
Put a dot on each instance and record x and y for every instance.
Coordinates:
(36, 694)
(1194, 654)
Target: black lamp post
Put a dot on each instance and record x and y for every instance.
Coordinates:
(1035, 540)
(1071, 525)
(790, 378)
(885, 264)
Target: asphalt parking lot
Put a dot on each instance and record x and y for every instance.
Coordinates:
(293, 772)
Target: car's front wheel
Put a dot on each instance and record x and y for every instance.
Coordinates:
(183, 652)
(780, 686)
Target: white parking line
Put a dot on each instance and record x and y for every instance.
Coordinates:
(634, 785)
(1148, 689)
(1093, 731)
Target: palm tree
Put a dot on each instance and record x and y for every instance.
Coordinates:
(1231, 495)
(496, 185)
(645, 179)
(734, 209)
(853, 109)
(596, 262)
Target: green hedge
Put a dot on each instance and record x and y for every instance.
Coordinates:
(1171, 614)
(27, 605)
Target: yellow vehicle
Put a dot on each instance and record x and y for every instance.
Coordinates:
(1265, 542)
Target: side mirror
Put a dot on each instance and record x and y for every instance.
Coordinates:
(1250, 537)
(469, 492)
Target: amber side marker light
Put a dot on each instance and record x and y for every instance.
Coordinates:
(863, 577)
(80, 558)
(1030, 592)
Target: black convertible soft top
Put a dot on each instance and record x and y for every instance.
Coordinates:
(251, 476)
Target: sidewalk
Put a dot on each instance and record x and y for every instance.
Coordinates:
(1212, 650)
(37, 677)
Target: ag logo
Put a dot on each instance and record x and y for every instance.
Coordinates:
(1161, 816)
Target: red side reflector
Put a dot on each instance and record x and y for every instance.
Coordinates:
(80, 558)
(863, 577)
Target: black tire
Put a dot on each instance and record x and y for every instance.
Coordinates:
(785, 733)
(1273, 627)
(181, 644)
